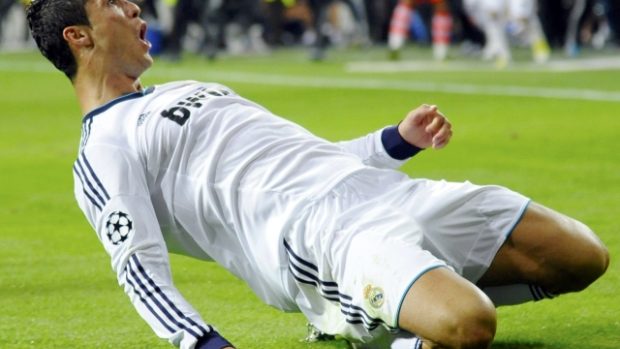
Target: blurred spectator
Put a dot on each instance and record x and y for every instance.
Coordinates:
(562, 22)
(573, 24)
(571, 44)
(465, 31)
(184, 12)
(275, 10)
(613, 15)
(297, 22)
(553, 16)
(239, 26)
(5, 8)
(287, 22)
(235, 25)
(596, 29)
(378, 14)
(149, 8)
(14, 32)
(323, 29)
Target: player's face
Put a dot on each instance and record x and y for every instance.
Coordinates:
(119, 36)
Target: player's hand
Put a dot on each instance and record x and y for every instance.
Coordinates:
(426, 127)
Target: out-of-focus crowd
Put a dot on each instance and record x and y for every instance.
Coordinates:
(488, 28)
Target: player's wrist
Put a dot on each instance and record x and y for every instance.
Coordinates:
(396, 146)
(213, 340)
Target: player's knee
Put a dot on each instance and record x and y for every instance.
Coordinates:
(474, 326)
(593, 264)
(478, 331)
(587, 264)
(449, 312)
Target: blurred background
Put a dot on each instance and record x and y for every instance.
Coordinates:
(489, 30)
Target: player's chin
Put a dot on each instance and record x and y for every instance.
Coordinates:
(147, 61)
(146, 47)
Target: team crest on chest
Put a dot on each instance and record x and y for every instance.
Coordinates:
(118, 227)
(374, 295)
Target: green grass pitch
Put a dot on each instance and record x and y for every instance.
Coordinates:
(57, 289)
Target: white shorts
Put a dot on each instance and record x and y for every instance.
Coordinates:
(522, 9)
(481, 10)
(365, 243)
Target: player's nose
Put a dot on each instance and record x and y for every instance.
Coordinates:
(132, 9)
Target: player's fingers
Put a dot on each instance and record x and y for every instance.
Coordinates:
(427, 106)
(428, 110)
(442, 137)
(437, 122)
(421, 113)
(440, 144)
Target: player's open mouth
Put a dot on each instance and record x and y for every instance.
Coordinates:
(142, 34)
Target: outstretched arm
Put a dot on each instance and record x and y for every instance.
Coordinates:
(111, 190)
(422, 128)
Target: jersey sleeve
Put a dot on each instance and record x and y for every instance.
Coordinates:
(384, 148)
(111, 189)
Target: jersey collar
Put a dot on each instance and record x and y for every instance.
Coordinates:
(117, 100)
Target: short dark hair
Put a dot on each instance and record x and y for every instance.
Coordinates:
(47, 20)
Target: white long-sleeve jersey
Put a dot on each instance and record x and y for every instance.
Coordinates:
(192, 168)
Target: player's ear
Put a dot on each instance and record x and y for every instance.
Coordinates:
(77, 36)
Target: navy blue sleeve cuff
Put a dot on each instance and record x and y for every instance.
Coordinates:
(396, 146)
(212, 340)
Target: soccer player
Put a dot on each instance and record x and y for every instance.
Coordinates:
(492, 16)
(328, 229)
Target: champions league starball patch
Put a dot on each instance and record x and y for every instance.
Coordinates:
(118, 227)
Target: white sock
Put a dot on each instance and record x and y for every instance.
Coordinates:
(407, 343)
(401, 340)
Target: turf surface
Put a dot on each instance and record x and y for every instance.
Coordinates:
(57, 289)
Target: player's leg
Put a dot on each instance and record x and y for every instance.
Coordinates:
(441, 28)
(514, 250)
(399, 27)
(369, 253)
(444, 311)
(447, 311)
(525, 14)
(571, 44)
(319, 9)
(494, 27)
(550, 250)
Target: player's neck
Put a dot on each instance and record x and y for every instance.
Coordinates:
(95, 90)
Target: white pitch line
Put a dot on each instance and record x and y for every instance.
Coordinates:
(556, 65)
(397, 85)
(354, 83)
